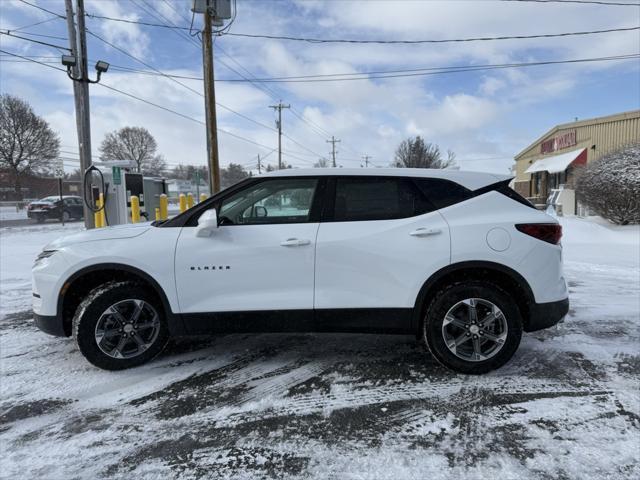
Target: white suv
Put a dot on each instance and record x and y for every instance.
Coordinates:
(455, 258)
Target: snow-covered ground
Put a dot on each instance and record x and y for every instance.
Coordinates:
(11, 213)
(333, 406)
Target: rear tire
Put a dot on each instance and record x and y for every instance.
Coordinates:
(468, 342)
(120, 325)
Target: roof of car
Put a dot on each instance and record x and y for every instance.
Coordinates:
(471, 180)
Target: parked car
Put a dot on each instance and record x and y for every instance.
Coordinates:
(457, 259)
(49, 208)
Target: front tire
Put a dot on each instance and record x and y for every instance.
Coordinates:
(472, 327)
(120, 325)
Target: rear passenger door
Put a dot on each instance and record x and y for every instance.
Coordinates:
(379, 241)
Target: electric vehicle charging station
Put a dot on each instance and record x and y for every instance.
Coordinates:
(118, 183)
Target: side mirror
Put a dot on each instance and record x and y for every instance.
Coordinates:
(207, 223)
(260, 211)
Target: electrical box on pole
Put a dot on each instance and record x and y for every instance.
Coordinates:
(220, 10)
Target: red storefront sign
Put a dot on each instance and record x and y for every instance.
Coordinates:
(558, 143)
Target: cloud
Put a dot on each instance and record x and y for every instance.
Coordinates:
(485, 117)
(125, 35)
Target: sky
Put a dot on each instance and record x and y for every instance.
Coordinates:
(485, 117)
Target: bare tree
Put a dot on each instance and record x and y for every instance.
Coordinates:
(232, 174)
(271, 168)
(321, 163)
(611, 186)
(415, 153)
(27, 143)
(189, 172)
(136, 144)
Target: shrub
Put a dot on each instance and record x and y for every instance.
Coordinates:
(610, 187)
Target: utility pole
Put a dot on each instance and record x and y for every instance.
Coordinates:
(259, 165)
(333, 142)
(78, 46)
(210, 105)
(279, 108)
(366, 160)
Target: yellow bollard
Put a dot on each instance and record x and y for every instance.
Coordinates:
(164, 207)
(189, 200)
(96, 215)
(157, 213)
(135, 209)
(103, 216)
(203, 197)
(182, 202)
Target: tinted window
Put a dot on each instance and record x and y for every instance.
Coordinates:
(442, 193)
(504, 188)
(377, 198)
(270, 201)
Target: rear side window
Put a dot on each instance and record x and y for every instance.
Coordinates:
(506, 190)
(443, 193)
(377, 198)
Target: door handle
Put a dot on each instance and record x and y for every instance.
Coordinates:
(295, 242)
(425, 232)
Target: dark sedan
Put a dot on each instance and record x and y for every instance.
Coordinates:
(70, 207)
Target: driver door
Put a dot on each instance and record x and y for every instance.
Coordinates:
(262, 255)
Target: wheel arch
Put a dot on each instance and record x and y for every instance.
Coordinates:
(507, 278)
(89, 277)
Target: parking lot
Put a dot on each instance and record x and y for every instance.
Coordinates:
(333, 406)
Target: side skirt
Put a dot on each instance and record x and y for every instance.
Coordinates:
(349, 320)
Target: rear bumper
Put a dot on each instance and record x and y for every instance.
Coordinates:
(51, 324)
(545, 315)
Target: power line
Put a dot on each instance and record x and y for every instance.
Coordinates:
(59, 47)
(137, 22)
(32, 60)
(34, 24)
(428, 71)
(167, 109)
(43, 9)
(182, 35)
(593, 2)
(390, 42)
(57, 37)
(418, 42)
(377, 74)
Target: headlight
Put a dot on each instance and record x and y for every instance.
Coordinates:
(44, 254)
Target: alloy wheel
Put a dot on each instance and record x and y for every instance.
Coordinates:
(474, 329)
(127, 328)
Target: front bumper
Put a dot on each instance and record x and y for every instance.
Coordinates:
(51, 324)
(545, 315)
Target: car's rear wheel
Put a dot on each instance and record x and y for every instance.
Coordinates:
(120, 325)
(472, 327)
(66, 216)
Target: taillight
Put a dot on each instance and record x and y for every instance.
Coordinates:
(547, 232)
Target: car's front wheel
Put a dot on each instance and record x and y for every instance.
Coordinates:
(472, 327)
(120, 325)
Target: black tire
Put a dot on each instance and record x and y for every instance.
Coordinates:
(450, 296)
(92, 309)
(40, 218)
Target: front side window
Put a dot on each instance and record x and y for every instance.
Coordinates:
(377, 198)
(286, 200)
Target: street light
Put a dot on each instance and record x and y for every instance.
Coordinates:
(102, 67)
(70, 61)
